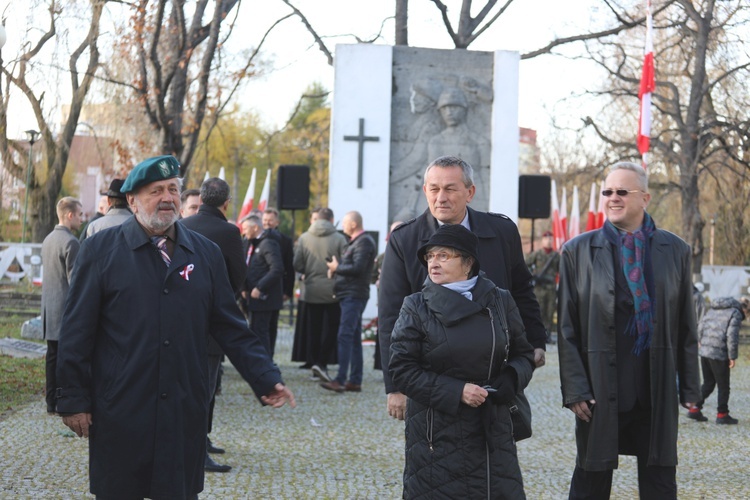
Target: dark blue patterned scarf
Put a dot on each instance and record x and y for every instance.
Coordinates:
(635, 256)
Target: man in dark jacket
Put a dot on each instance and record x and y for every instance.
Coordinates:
(449, 187)
(352, 288)
(262, 286)
(627, 341)
(132, 367)
(211, 222)
(271, 223)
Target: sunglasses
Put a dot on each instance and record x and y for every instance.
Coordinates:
(620, 192)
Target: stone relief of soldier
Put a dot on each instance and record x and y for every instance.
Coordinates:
(447, 115)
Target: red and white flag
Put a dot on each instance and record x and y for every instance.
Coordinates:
(574, 223)
(263, 203)
(591, 219)
(247, 203)
(557, 230)
(648, 85)
(564, 215)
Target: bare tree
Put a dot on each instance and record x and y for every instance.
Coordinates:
(83, 62)
(700, 110)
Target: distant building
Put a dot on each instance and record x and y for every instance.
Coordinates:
(90, 167)
(528, 152)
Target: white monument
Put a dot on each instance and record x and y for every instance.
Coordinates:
(395, 109)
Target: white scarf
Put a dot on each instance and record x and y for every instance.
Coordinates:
(463, 287)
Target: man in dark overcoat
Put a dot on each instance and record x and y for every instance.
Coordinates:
(59, 251)
(449, 187)
(132, 367)
(627, 341)
(211, 222)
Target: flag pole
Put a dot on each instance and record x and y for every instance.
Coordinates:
(647, 86)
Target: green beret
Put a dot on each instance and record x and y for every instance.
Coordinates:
(154, 169)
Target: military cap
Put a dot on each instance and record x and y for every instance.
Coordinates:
(154, 169)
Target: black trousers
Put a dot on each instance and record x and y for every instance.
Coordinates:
(715, 373)
(214, 364)
(260, 323)
(654, 482)
(273, 330)
(50, 365)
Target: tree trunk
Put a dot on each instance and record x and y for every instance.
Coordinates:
(402, 16)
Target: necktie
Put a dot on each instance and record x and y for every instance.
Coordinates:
(161, 245)
(249, 254)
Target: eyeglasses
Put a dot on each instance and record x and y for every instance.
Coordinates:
(440, 256)
(620, 192)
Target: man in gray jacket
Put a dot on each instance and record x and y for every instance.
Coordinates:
(117, 213)
(319, 245)
(718, 341)
(59, 252)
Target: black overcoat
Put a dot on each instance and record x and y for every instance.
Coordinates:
(133, 353)
(500, 257)
(211, 223)
(587, 345)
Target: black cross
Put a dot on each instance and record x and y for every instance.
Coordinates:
(361, 139)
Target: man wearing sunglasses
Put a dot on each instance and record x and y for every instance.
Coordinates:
(627, 342)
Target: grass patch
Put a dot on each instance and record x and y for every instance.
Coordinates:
(22, 382)
(21, 379)
(10, 326)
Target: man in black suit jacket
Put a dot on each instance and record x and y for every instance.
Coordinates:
(270, 222)
(262, 290)
(211, 222)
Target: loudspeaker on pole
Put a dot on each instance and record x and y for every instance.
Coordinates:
(534, 196)
(293, 187)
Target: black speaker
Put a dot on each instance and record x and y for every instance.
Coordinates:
(534, 196)
(293, 187)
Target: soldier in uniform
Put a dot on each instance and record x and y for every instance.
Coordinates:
(544, 264)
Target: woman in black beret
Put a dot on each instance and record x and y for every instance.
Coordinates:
(460, 354)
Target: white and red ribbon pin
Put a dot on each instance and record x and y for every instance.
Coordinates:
(185, 273)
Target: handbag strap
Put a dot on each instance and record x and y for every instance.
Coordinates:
(504, 323)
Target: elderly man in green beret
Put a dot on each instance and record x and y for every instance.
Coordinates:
(132, 364)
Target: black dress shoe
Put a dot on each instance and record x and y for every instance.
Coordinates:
(210, 466)
(213, 449)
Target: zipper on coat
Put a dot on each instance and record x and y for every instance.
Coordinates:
(494, 340)
(430, 419)
(489, 374)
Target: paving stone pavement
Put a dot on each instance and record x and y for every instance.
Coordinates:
(344, 446)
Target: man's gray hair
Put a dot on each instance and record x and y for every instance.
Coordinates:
(254, 220)
(453, 161)
(639, 171)
(214, 192)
